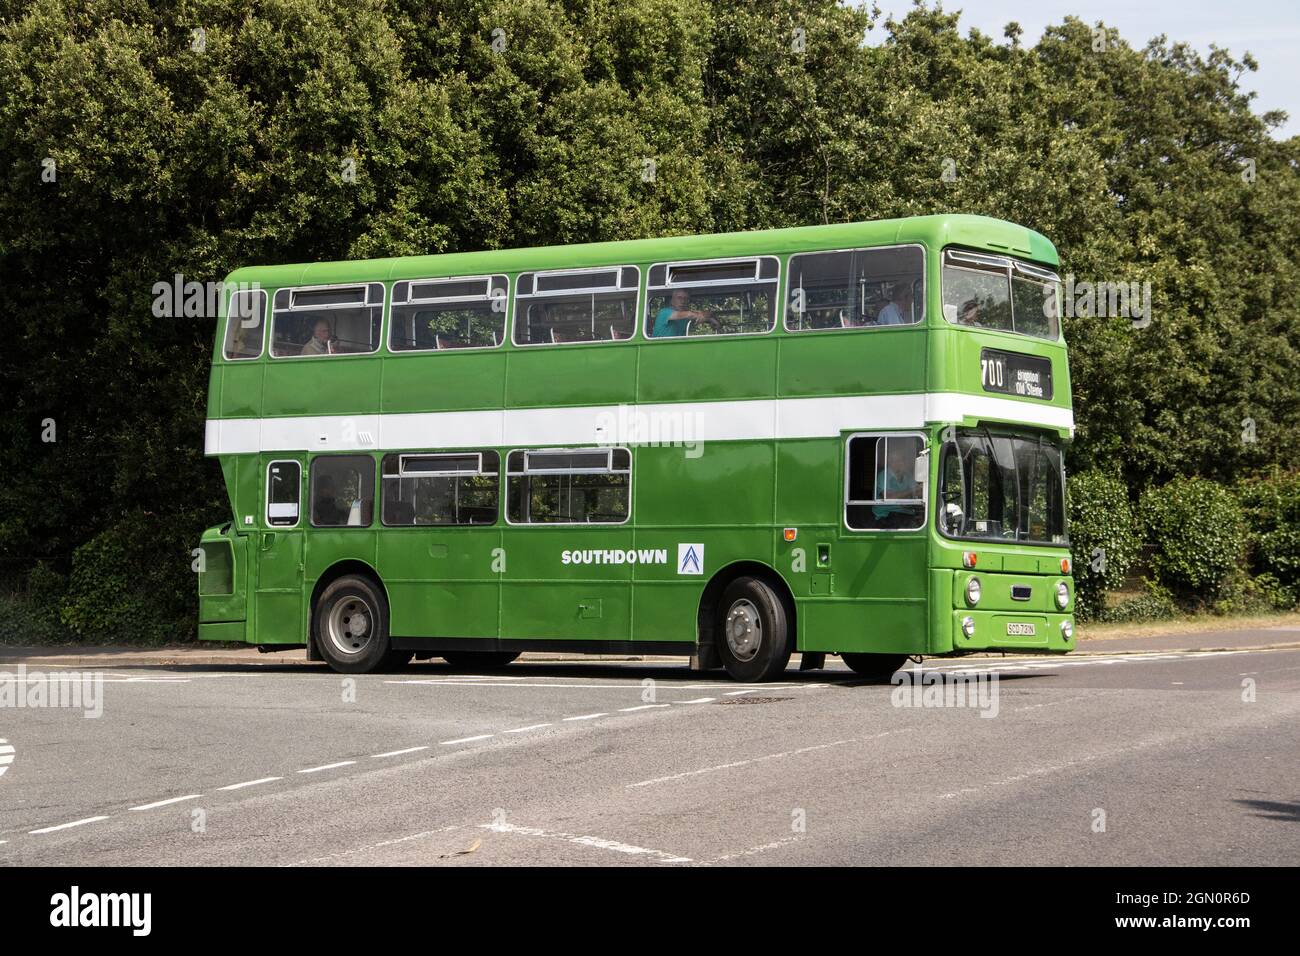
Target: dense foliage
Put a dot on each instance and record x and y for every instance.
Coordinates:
(133, 148)
(1104, 538)
(1199, 537)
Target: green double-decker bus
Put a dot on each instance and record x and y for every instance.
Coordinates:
(841, 439)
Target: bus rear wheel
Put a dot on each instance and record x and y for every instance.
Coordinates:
(753, 631)
(478, 660)
(876, 666)
(350, 622)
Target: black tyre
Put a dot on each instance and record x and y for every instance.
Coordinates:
(478, 660)
(754, 638)
(350, 622)
(876, 666)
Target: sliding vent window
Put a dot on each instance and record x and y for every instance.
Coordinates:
(582, 486)
(856, 288)
(998, 292)
(459, 489)
(342, 491)
(245, 318)
(461, 313)
(884, 490)
(575, 306)
(334, 320)
(719, 297)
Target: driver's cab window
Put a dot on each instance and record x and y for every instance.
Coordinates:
(885, 483)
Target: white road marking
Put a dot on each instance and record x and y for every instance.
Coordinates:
(523, 730)
(755, 850)
(628, 710)
(397, 753)
(250, 783)
(468, 740)
(328, 766)
(588, 716)
(6, 755)
(752, 760)
(599, 843)
(373, 846)
(67, 826)
(163, 803)
(698, 700)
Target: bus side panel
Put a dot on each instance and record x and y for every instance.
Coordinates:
(326, 385)
(835, 363)
(441, 581)
(549, 376)
(423, 382)
(692, 370)
(878, 599)
(544, 597)
(240, 394)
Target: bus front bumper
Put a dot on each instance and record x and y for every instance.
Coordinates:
(1012, 631)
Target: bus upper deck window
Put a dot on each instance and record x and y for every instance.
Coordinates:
(711, 297)
(328, 320)
(856, 288)
(571, 306)
(245, 316)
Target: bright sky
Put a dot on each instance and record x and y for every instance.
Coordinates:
(1268, 29)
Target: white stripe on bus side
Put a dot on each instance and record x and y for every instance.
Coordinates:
(620, 425)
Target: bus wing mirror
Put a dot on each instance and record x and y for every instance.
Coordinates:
(921, 467)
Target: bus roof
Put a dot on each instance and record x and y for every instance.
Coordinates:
(981, 232)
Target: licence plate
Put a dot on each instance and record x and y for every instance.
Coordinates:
(1026, 630)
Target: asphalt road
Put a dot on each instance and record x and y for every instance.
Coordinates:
(1155, 758)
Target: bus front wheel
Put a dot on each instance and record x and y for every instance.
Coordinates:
(351, 626)
(753, 631)
(876, 666)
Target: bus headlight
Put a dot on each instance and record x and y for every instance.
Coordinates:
(973, 591)
(1062, 594)
(968, 626)
(1067, 630)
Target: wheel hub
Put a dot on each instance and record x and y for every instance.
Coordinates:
(744, 630)
(348, 626)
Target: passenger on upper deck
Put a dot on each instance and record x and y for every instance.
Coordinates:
(321, 341)
(674, 319)
(970, 313)
(898, 311)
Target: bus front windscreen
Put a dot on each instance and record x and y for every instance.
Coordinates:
(1001, 487)
(1000, 293)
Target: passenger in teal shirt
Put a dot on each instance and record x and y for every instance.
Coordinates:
(675, 319)
(896, 480)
